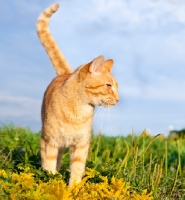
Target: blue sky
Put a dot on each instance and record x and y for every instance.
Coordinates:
(145, 38)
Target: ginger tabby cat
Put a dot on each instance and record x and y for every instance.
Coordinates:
(68, 104)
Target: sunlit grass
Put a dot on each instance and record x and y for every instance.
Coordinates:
(151, 166)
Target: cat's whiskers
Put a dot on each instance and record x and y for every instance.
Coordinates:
(120, 105)
(108, 115)
(109, 121)
(98, 110)
(102, 116)
(101, 111)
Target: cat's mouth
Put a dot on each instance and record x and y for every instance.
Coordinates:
(108, 105)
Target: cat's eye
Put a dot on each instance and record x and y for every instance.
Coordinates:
(108, 85)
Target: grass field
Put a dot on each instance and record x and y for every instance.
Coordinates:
(132, 167)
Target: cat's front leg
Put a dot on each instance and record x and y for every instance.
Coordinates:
(78, 157)
(49, 155)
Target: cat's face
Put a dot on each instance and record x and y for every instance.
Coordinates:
(100, 86)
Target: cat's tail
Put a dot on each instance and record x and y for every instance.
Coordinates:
(57, 58)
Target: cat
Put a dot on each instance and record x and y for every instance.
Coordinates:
(68, 104)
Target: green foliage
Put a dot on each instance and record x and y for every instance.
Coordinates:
(18, 147)
(146, 162)
(177, 134)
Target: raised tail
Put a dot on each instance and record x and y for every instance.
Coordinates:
(57, 58)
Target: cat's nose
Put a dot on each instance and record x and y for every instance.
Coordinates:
(117, 100)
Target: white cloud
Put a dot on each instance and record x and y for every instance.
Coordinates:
(161, 88)
(11, 107)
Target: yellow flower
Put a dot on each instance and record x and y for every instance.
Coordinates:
(3, 174)
(24, 186)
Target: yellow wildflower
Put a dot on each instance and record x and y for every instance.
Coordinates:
(3, 174)
(24, 186)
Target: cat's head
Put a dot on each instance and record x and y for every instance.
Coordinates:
(100, 87)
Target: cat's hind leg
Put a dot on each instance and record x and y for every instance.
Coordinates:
(49, 155)
(59, 157)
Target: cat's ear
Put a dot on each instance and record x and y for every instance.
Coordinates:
(108, 64)
(92, 67)
(96, 64)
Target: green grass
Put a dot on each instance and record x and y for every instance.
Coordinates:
(146, 162)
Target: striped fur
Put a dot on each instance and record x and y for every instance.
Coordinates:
(57, 58)
(68, 105)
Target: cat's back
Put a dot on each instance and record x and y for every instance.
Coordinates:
(55, 84)
(52, 92)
